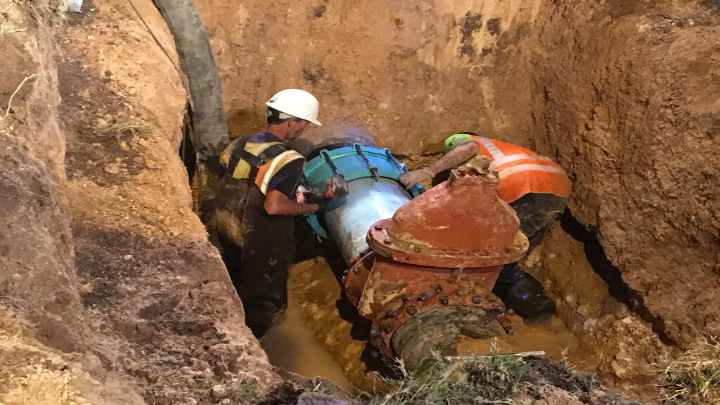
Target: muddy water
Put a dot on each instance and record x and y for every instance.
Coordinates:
(315, 340)
(551, 337)
(292, 347)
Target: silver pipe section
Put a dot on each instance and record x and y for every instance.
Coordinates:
(369, 200)
(343, 147)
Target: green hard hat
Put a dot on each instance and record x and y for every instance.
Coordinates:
(455, 140)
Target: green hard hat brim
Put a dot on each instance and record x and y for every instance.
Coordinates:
(455, 140)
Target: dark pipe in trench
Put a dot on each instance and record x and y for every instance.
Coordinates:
(198, 64)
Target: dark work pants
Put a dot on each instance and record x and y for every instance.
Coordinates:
(537, 213)
(259, 268)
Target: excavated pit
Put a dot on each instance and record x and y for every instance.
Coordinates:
(604, 89)
(111, 292)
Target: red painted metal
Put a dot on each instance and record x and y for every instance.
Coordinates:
(460, 223)
(445, 247)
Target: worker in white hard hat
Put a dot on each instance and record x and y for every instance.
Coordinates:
(256, 202)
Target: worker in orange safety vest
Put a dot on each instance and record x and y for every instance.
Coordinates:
(533, 185)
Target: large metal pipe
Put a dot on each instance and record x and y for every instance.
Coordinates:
(348, 223)
(422, 270)
(374, 192)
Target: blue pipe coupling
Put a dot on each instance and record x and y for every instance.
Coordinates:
(374, 192)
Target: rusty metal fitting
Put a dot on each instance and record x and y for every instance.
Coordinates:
(389, 326)
(450, 242)
(448, 227)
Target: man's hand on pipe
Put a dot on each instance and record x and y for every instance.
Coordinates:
(411, 178)
(336, 187)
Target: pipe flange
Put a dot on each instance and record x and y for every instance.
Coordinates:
(444, 294)
(356, 277)
(414, 253)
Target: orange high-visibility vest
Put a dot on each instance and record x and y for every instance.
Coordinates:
(522, 171)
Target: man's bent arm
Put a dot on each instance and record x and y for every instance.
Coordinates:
(457, 155)
(277, 203)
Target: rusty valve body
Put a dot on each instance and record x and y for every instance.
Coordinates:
(444, 248)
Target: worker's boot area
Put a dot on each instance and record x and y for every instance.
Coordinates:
(523, 294)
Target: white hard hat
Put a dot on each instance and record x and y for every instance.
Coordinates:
(298, 103)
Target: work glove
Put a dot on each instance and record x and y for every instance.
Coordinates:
(313, 198)
(413, 177)
(309, 196)
(336, 187)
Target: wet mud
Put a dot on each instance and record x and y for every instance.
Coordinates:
(315, 319)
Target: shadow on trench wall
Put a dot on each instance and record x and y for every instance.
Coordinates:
(203, 178)
(187, 149)
(602, 266)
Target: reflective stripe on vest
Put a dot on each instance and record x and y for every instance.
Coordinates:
(522, 171)
(495, 153)
(243, 168)
(270, 169)
(507, 159)
(263, 175)
(521, 168)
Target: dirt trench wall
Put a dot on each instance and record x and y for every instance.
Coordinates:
(412, 72)
(104, 261)
(622, 94)
(45, 332)
(36, 254)
(636, 128)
